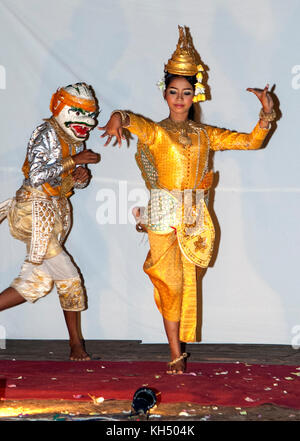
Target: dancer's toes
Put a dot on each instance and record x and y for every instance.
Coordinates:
(176, 368)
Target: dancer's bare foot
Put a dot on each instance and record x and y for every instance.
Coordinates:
(178, 365)
(78, 352)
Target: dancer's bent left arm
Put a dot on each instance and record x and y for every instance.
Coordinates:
(222, 139)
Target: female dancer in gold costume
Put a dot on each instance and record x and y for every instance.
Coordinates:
(173, 158)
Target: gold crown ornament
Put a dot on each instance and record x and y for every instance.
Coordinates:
(184, 63)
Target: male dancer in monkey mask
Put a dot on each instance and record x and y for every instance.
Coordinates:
(40, 213)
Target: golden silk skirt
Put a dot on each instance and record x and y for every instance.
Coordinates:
(175, 284)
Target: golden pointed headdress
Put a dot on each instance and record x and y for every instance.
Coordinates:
(184, 62)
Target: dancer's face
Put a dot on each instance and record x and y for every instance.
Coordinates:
(179, 96)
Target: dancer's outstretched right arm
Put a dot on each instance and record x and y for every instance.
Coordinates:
(144, 128)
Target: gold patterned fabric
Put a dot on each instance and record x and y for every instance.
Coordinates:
(37, 281)
(173, 157)
(40, 221)
(71, 294)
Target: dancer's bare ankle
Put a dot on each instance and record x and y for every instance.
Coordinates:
(78, 352)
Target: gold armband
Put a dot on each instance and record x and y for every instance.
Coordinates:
(123, 115)
(268, 117)
(67, 185)
(68, 163)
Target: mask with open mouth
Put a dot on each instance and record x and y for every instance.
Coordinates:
(75, 109)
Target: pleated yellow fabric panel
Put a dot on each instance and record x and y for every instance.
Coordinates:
(188, 321)
(163, 266)
(174, 280)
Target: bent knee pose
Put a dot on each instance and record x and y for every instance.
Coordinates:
(173, 158)
(40, 212)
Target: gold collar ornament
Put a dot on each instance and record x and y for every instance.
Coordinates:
(182, 127)
(184, 63)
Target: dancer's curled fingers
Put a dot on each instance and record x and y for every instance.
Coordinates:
(264, 97)
(113, 128)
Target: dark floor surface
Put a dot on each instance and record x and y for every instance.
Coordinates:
(123, 350)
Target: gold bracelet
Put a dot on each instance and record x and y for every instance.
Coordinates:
(123, 115)
(67, 185)
(68, 163)
(268, 117)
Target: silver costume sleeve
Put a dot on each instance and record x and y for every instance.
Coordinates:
(44, 156)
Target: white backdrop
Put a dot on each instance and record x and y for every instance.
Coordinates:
(251, 293)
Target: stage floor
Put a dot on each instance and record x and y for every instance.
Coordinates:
(43, 350)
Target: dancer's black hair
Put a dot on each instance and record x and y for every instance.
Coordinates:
(191, 79)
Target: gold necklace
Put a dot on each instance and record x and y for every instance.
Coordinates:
(183, 127)
(184, 138)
